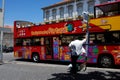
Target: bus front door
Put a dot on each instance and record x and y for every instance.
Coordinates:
(48, 45)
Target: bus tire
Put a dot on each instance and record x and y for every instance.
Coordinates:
(35, 57)
(105, 61)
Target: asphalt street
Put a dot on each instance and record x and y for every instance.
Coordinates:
(13, 69)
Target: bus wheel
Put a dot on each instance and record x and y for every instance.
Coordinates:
(105, 61)
(35, 57)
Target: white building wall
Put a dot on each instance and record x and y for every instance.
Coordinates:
(85, 8)
(66, 11)
(50, 18)
(85, 5)
(8, 39)
(58, 15)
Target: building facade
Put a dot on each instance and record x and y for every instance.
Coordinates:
(7, 37)
(7, 32)
(69, 9)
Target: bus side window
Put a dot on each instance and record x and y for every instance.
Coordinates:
(36, 41)
(116, 38)
(92, 38)
(47, 42)
(66, 40)
(42, 41)
(112, 37)
(18, 25)
(18, 42)
(100, 38)
(26, 42)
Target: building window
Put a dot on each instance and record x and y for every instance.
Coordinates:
(61, 12)
(79, 8)
(70, 10)
(47, 15)
(54, 14)
(91, 6)
(103, 1)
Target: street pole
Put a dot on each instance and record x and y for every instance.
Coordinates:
(86, 21)
(1, 35)
(87, 42)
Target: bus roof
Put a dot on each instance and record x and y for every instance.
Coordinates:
(110, 6)
(107, 3)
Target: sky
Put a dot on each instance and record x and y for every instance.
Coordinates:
(27, 10)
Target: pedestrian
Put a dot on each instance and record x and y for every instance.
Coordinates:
(76, 49)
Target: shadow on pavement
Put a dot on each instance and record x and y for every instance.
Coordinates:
(96, 75)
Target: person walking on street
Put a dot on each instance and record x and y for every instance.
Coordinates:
(76, 49)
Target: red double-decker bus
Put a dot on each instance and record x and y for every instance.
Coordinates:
(50, 41)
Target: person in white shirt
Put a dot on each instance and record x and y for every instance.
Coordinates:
(76, 49)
